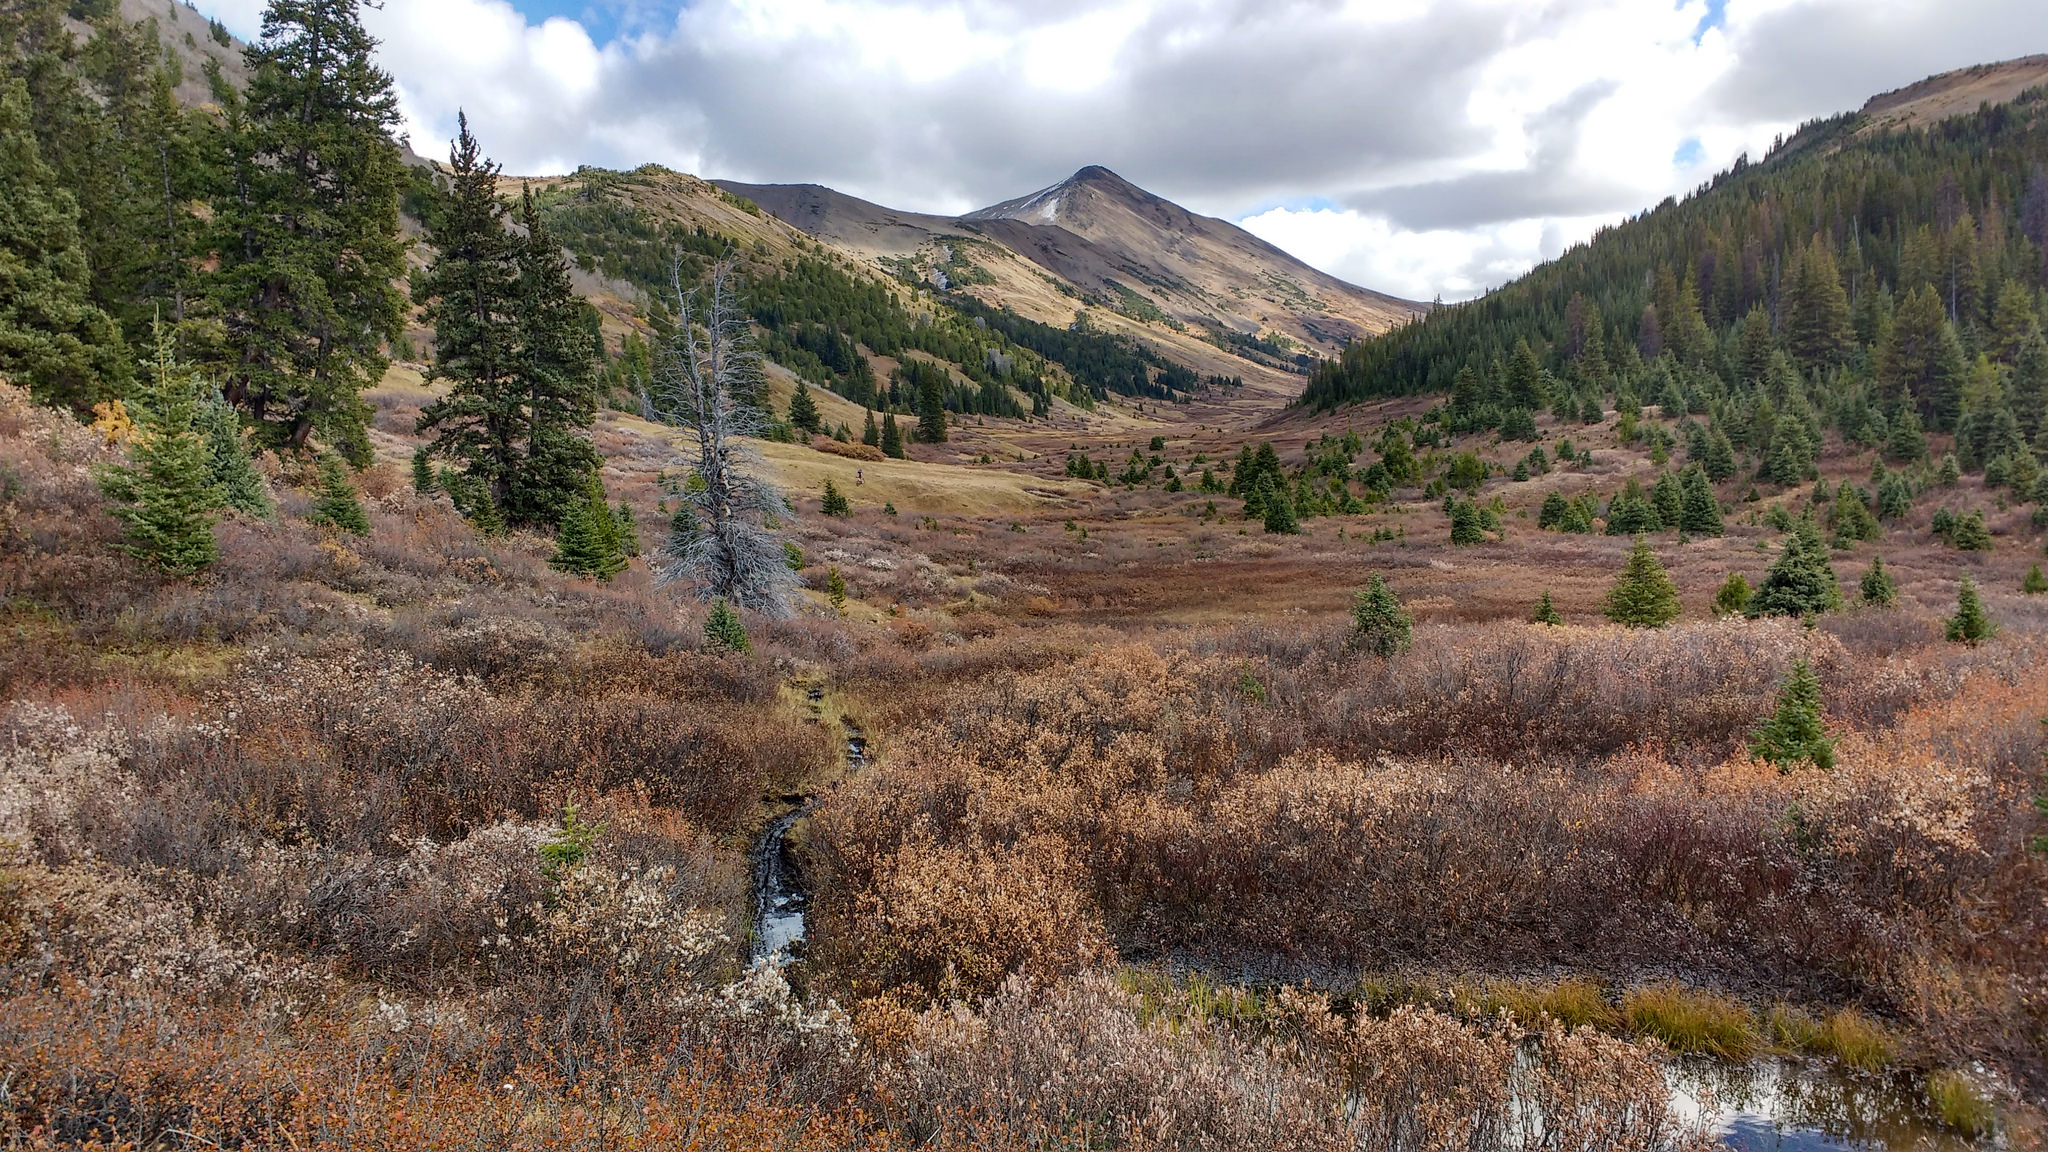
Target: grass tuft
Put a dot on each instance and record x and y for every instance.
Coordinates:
(1846, 1035)
(1958, 1104)
(1692, 1021)
(1856, 1040)
(1573, 1002)
(1162, 997)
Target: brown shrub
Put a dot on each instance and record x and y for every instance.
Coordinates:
(1197, 818)
(170, 1073)
(866, 452)
(1075, 1064)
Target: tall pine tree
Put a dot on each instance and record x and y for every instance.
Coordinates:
(557, 358)
(1921, 365)
(307, 232)
(470, 294)
(803, 411)
(1817, 309)
(931, 406)
(53, 339)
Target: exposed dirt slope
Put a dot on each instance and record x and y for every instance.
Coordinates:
(188, 38)
(1953, 94)
(847, 221)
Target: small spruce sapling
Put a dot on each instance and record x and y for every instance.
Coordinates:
(591, 541)
(1249, 687)
(1699, 511)
(2034, 584)
(1733, 597)
(1970, 625)
(1794, 733)
(723, 631)
(1971, 534)
(1546, 612)
(338, 506)
(1802, 583)
(164, 495)
(1467, 525)
(835, 503)
(835, 590)
(1278, 514)
(236, 482)
(1877, 587)
(1643, 596)
(1379, 624)
(627, 530)
(570, 844)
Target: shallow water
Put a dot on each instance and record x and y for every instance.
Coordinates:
(778, 885)
(778, 896)
(1787, 1106)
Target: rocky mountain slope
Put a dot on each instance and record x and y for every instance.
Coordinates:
(1099, 241)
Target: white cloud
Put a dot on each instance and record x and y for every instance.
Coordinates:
(1367, 248)
(1449, 137)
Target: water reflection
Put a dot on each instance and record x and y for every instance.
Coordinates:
(1783, 1106)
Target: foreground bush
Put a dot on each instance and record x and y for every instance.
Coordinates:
(1142, 801)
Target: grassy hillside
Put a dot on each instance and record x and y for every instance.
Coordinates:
(833, 321)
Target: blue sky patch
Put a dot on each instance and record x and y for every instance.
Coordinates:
(600, 18)
(1716, 17)
(1689, 154)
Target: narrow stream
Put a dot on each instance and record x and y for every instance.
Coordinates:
(778, 893)
(778, 883)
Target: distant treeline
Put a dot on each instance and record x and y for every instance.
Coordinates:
(1893, 272)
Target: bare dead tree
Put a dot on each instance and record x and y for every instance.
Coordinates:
(706, 377)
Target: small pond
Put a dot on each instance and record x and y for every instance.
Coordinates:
(1789, 1106)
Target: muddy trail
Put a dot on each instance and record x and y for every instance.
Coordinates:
(779, 890)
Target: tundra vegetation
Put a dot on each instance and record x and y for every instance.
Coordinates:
(362, 786)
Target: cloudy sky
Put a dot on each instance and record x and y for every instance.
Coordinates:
(1419, 147)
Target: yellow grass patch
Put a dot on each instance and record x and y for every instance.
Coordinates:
(1692, 1020)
